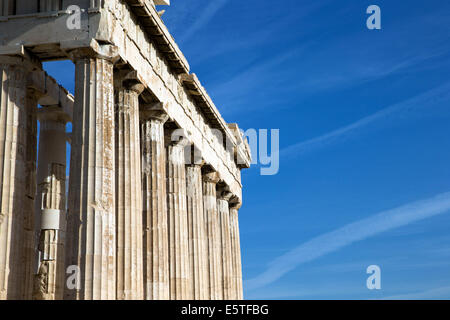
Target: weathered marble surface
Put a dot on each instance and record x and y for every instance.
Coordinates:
(91, 225)
(156, 238)
(142, 222)
(130, 285)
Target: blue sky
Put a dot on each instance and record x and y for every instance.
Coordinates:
(364, 136)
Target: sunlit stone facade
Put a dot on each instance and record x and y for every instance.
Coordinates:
(154, 185)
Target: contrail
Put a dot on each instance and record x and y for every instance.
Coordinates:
(357, 231)
(213, 7)
(436, 96)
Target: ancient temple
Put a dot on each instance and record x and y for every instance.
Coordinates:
(154, 186)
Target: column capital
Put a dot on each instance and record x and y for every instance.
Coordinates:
(134, 86)
(197, 163)
(212, 177)
(235, 203)
(154, 111)
(24, 60)
(178, 137)
(224, 193)
(196, 158)
(93, 50)
(53, 113)
(130, 80)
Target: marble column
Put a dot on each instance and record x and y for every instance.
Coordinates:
(128, 193)
(51, 205)
(210, 181)
(180, 276)
(17, 173)
(92, 220)
(236, 250)
(223, 196)
(198, 241)
(49, 5)
(7, 7)
(155, 223)
(28, 240)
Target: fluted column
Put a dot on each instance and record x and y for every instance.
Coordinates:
(17, 178)
(180, 276)
(92, 219)
(223, 196)
(236, 250)
(128, 193)
(155, 223)
(198, 241)
(28, 240)
(51, 205)
(49, 5)
(7, 7)
(213, 230)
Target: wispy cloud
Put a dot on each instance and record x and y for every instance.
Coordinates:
(439, 96)
(357, 72)
(287, 293)
(247, 77)
(235, 91)
(208, 13)
(326, 66)
(347, 73)
(435, 293)
(253, 38)
(357, 231)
